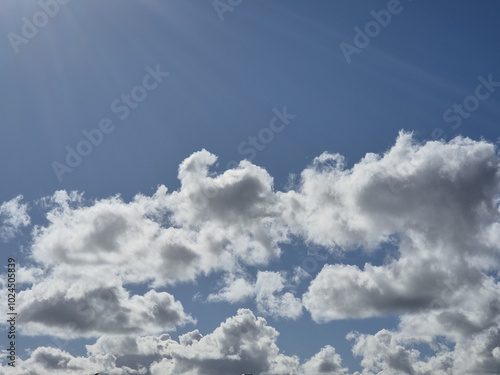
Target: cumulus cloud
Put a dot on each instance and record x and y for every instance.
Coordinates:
(393, 352)
(13, 216)
(102, 238)
(463, 331)
(238, 208)
(48, 360)
(439, 199)
(269, 301)
(327, 361)
(406, 285)
(267, 291)
(432, 187)
(83, 309)
(211, 223)
(236, 289)
(243, 342)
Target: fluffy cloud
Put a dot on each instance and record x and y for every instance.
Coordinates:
(83, 309)
(211, 223)
(444, 189)
(236, 289)
(47, 360)
(409, 284)
(267, 291)
(13, 215)
(243, 343)
(326, 362)
(269, 301)
(467, 320)
(102, 238)
(438, 203)
(238, 208)
(439, 199)
(394, 352)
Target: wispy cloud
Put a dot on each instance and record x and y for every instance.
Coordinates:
(13, 216)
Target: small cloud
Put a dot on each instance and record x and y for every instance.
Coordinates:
(13, 216)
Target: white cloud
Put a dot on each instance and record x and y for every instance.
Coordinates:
(438, 188)
(269, 301)
(90, 247)
(394, 352)
(407, 285)
(383, 354)
(81, 308)
(176, 236)
(326, 362)
(439, 199)
(243, 343)
(13, 216)
(236, 289)
(238, 208)
(47, 360)
(267, 291)
(441, 202)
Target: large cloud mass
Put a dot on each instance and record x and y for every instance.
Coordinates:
(428, 213)
(439, 199)
(241, 343)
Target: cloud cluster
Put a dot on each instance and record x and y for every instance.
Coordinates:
(211, 223)
(440, 200)
(243, 343)
(435, 203)
(91, 249)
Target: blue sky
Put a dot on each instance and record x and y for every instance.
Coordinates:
(153, 84)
